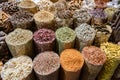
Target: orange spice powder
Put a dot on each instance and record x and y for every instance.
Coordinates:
(71, 60)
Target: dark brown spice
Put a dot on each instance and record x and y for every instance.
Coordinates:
(22, 19)
(46, 66)
(44, 40)
(9, 7)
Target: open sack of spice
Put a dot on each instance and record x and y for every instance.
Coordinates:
(18, 68)
(112, 52)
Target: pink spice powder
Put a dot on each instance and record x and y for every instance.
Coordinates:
(44, 35)
(94, 55)
(46, 63)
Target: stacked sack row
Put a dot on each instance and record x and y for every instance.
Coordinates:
(59, 33)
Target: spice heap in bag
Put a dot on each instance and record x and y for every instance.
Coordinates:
(18, 42)
(112, 52)
(19, 68)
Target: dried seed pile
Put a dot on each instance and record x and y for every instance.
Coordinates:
(94, 61)
(103, 34)
(85, 35)
(46, 66)
(30, 6)
(65, 14)
(4, 52)
(72, 62)
(44, 19)
(74, 5)
(110, 12)
(99, 16)
(81, 16)
(22, 19)
(113, 59)
(18, 68)
(60, 5)
(46, 5)
(65, 38)
(94, 55)
(44, 40)
(18, 42)
(88, 4)
(9, 7)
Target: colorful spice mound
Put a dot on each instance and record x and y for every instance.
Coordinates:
(113, 59)
(65, 34)
(44, 35)
(9, 7)
(71, 60)
(17, 68)
(94, 55)
(46, 63)
(99, 13)
(19, 36)
(22, 18)
(109, 12)
(84, 32)
(82, 16)
(44, 16)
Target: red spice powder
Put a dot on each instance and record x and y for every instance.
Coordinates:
(94, 55)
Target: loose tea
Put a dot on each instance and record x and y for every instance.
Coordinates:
(65, 38)
(85, 36)
(19, 68)
(81, 16)
(22, 19)
(72, 62)
(44, 19)
(46, 66)
(99, 16)
(30, 6)
(9, 7)
(44, 40)
(4, 52)
(20, 42)
(102, 35)
(113, 59)
(94, 61)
